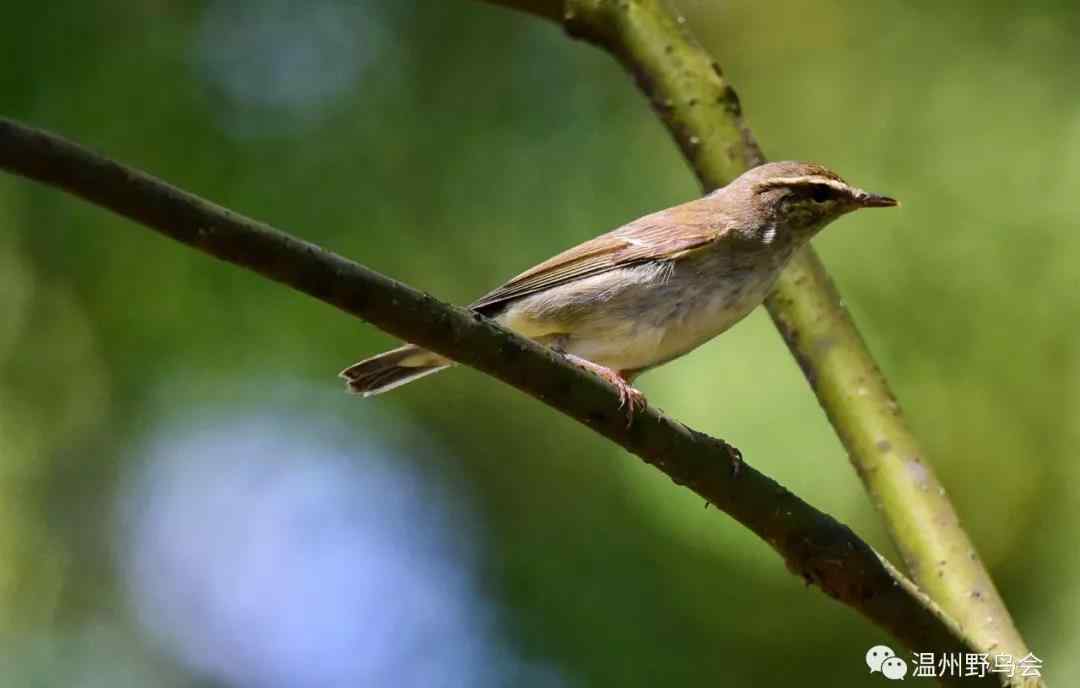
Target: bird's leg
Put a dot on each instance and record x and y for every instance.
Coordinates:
(629, 398)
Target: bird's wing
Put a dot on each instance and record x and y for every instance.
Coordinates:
(660, 236)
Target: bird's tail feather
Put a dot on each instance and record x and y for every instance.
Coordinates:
(392, 369)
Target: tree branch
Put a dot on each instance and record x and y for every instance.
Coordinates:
(688, 90)
(813, 544)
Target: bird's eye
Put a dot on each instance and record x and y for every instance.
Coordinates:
(821, 193)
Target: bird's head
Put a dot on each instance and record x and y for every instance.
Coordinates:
(796, 199)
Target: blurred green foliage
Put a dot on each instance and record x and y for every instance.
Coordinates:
(462, 144)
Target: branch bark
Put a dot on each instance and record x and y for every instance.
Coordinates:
(688, 90)
(814, 545)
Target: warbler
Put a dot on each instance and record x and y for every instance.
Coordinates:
(655, 288)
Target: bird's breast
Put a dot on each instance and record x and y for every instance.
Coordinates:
(707, 298)
(642, 316)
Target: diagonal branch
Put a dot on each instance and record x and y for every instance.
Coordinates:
(813, 544)
(689, 92)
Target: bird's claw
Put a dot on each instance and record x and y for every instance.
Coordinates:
(630, 399)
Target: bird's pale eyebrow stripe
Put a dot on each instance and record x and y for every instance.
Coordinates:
(805, 180)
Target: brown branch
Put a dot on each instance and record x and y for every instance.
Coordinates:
(689, 92)
(813, 544)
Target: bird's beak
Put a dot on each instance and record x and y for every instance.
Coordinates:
(872, 200)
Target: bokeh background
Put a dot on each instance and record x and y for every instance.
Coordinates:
(187, 498)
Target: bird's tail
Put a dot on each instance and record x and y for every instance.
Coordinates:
(392, 369)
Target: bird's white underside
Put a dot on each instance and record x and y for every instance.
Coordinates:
(642, 316)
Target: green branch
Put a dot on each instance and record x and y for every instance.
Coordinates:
(688, 90)
(814, 545)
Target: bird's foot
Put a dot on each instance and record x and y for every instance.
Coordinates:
(630, 399)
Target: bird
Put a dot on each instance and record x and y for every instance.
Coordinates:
(655, 288)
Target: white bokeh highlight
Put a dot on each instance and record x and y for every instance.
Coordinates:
(281, 64)
(272, 552)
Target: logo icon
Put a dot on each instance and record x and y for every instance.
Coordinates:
(877, 655)
(894, 669)
(881, 658)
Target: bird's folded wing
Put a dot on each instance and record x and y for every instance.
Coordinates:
(655, 237)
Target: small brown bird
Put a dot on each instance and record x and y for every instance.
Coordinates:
(658, 287)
